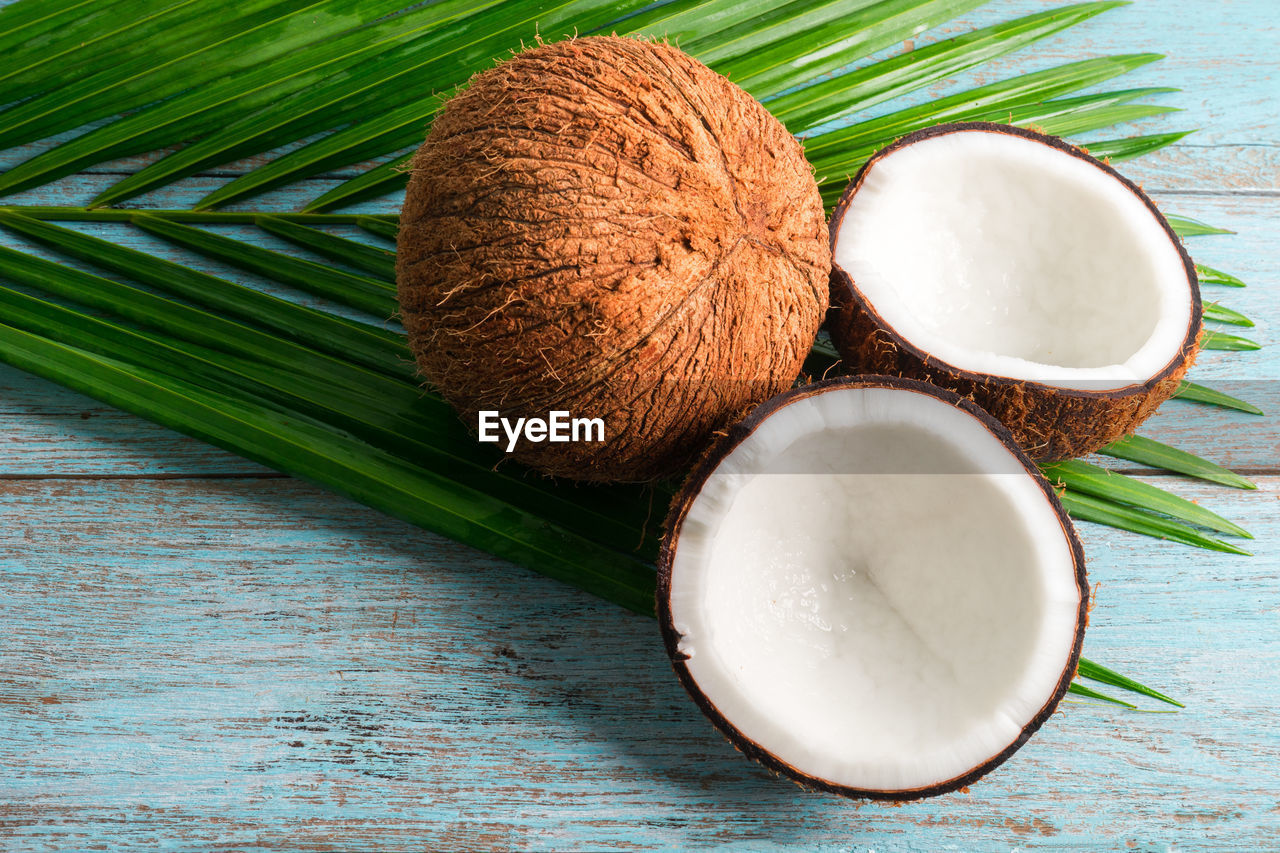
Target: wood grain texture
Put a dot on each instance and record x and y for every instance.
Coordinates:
(197, 654)
(259, 662)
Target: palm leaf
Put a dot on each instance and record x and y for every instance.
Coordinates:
(189, 48)
(47, 213)
(334, 399)
(1198, 393)
(395, 419)
(1185, 226)
(1079, 689)
(31, 31)
(39, 65)
(1147, 451)
(379, 227)
(840, 153)
(1222, 314)
(784, 36)
(374, 296)
(206, 329)
(1086, 507)
(392, 130)
(377, 262)
(1208, 275)
(192, 112)
(1096, 672)
(403, 73)
(1083, 477)
(811, 45)
(362, 343)
(375, 182)
(1131, 146)
(864, 88)
(1225, 341)
(1029, 90)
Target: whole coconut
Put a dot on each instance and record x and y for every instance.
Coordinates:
(606, 227)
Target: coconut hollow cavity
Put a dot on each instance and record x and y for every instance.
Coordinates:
(869, 587)
(1016, 270)
(606, 227)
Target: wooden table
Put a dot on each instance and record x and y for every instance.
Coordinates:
(198, 653)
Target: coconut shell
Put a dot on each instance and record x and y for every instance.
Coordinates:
(672, 636)
(1050, 423)
(605, 226)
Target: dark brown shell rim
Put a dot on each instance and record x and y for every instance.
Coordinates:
(1186, 351)
(693, 487)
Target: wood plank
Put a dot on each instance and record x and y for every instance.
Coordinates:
(259, 663)
(47, 430)
(1224, 65)
(1221, 55)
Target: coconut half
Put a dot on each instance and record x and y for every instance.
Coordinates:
(869, 587)
(1016, 270)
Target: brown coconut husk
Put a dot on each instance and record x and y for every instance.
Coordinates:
(607, 227)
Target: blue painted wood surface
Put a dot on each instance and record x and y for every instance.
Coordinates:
(196, 653)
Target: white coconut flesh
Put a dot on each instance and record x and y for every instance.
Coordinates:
(874, 590)
(1005, 256)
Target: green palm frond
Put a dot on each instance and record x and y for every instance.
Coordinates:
(362, 343)
(308, 372)
(1197, 393)
(1224, 341)
(1185, 226)
(375, 296)
(1208, 275)
(824, 101)
(1146, 451)
(1222, 314)
(377, 262)
(1089, 479)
